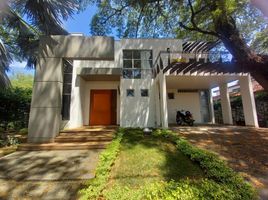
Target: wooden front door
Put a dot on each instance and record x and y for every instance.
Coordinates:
(102, 107)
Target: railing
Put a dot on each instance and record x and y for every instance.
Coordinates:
(165, 58)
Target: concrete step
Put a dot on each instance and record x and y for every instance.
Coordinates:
(87, 133)
(82, 138)
(88, 129)
(63, 146)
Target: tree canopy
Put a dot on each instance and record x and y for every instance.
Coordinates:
(237, 23)
(22, 22)
(240, 26)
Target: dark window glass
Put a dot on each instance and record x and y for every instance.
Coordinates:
(202, 60)
(136, 73)
(137, 54)
(130, 93)
(66, 101)
(144, 92)
(127, 63)
(67, 78)
(171, 96)
(127, 54)
(67, 88)
(137, 64)
(127, 73)
(68, 68)
(192, 60)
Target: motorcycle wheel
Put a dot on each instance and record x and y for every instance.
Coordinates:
(179, 122)
(191, 123)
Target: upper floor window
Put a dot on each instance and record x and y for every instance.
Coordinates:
(134, 61)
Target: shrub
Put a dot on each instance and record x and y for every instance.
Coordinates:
(8, 141)
(23, 131)
(217, 170)
(15, 108)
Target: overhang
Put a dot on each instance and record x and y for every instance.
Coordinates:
(99, 74)
(197, 82)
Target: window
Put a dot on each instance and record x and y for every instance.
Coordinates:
(130, 93)
(134, 61)
(67, 88)
(144, 92)
(171, 96)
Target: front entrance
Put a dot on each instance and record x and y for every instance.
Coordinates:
(102, 107)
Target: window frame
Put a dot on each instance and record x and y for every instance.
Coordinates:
(128, 94)
(147, 92)
(171, 95)
(136, 60)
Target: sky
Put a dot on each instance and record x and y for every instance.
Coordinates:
(78, 23)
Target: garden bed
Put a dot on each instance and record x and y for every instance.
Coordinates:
(162, 166)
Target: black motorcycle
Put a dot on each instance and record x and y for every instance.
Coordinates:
(186, 118)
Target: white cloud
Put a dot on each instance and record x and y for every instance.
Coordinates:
(17, 64)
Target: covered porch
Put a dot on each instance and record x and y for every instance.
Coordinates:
(94, 95)
(187, 82)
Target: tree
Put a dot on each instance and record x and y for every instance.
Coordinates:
(22, 24)
(234, 22)
(20, 80)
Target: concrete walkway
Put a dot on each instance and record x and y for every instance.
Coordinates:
(46, 174)
(245, 149)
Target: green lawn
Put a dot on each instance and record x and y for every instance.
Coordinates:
(136, 167)
(147, 159)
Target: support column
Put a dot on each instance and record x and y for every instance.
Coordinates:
(157, 103)
(225, 104)
(212, 114)
(248, 101)
(163, 100)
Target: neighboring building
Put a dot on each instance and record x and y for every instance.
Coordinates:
(83, 81)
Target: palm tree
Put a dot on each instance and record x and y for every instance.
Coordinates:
(19, 38)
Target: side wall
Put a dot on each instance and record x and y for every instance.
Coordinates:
(45, 114)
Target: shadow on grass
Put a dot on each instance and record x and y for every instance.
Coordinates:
(146, 159)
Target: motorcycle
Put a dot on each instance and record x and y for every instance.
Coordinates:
(184, 117)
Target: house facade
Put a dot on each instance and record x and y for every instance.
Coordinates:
(81, 81)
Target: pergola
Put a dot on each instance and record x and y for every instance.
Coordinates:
(191, 68)
(196, 66)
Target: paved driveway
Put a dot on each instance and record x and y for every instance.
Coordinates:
(45, 174)
(244, 148)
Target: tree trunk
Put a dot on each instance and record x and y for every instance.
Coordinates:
(247, 59)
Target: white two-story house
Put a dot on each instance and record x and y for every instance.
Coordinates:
(87, 81)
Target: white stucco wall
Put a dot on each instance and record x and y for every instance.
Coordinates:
(97, 63)
(186, 101)
(137, 111)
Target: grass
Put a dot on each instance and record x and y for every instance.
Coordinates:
(148, 159)
(162, 166)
